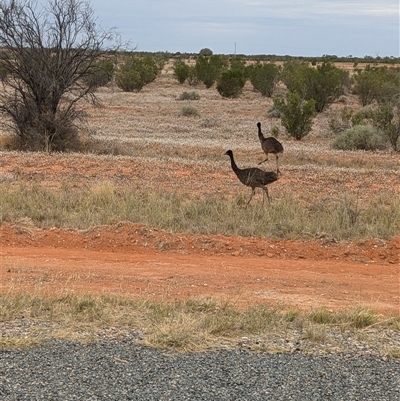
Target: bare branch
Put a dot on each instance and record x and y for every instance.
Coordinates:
(47, 52)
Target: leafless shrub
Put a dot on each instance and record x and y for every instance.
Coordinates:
(46, 59)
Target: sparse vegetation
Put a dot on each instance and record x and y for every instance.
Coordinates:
(192, 78)
(273, 112)
(189, 111)
(193, 95)
(104, 204)
(194, 324)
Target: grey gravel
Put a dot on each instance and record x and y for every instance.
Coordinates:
(122, 370)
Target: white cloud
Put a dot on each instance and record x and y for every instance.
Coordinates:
(317, 7)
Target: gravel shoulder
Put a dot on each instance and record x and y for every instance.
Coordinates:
(122, 370)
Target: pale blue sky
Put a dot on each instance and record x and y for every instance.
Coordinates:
(281, 27)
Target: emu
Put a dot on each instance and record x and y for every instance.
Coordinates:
(269, 145)
(253, 177)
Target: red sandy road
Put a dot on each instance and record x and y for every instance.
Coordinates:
(166, 275)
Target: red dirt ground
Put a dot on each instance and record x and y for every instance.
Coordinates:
(137, 261)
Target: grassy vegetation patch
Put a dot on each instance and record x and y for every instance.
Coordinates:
(18, 342)
(105, 204)
(193, 324)
(189, 111)
(192, 95)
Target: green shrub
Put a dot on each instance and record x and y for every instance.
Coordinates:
(275, 131)
(339, 124)
(384, 118)
(136, 72)
(387, 119)
(192, 78)
(237, 63)
(324, 84)
(193, 95)
(208, 69)
(360, 137)
(296, 114)
(293, 74)
(264, 77)
(363, 116)
(100, 74)
(390, 90)
(189, 111)
(231, 83)
(376, 83)
(273, 112)
(366, 84)
(181, 71)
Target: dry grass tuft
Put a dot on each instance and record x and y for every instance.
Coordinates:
(24, 225)
(194, 324)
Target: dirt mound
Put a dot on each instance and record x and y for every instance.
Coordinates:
(138, 261)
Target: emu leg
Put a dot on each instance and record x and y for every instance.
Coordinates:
(265, 189)
(253, 191)
(277, 164)
(263, 161)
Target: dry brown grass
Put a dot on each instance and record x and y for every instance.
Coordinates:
(196, 324)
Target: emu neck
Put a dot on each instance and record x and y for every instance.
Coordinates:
(260, 135)
(235, 168)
